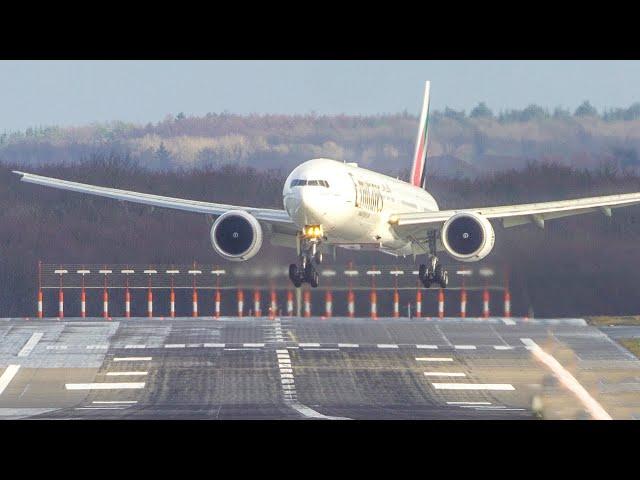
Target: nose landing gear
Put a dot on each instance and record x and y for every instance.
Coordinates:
(308, 252)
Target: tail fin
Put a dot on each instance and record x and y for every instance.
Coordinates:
(418, 169)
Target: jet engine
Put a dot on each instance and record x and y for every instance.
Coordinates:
(468, 237)
(236, 236)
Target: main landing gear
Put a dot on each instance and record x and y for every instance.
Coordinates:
(433, 272)
(308, 253)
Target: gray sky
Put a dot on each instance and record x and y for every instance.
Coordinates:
(36, 93)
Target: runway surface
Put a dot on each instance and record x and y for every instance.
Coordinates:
(340, 368)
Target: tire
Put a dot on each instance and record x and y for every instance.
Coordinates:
(314, 279)
(294, 275)
(422, 272)
(444, 282)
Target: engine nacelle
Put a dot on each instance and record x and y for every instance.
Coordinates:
(468, 237)
(236, 235)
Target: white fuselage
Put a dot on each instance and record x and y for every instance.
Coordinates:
(352, 204)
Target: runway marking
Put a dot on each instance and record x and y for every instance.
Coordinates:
(115, 401)
(100, 408)
(135, 346)
(31, 343)
(434, 359)
(468, 403)
(569, 381)
(97, 347)
(348, 345)
(427, 347)
(174, 345)
(104, 386)
(125, 374)
(282, 351)
(503, 347)
(56, 347)
(308, 345)
(473, 386)
(7, 376)
(464, 347)
(322, 349)
(444, 374)
(193, 345)
(253, 345)
(132, 359)
(387, 345)
(286, 370)
(214, 345)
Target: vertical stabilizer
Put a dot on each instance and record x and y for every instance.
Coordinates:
(418, 167)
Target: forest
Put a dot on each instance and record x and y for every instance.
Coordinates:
(461, 144)
(575, 266)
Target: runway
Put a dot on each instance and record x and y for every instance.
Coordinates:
(313, 368)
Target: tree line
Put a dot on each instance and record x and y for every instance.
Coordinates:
(575, 266)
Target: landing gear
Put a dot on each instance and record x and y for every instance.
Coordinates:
(433, 273)
(308, 253)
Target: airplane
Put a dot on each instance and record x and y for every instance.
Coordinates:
(330, 204)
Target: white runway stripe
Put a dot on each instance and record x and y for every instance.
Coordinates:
(427, 347)
(444, 374)
(569, 381)
(132, 359)
(214, 345)
(174, 345)
(7, 376)
(103, 386)
(31, 343)
(253, 345)
(464, 347)
(106, 402)
(348, 345)
(309, 344)
(387, 345)
(468, 403)
(503, 347)
(434, 359)
(135, 346)
(101, 408)
(125, 374)
(473, 386)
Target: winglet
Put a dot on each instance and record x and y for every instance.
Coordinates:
(418, 169)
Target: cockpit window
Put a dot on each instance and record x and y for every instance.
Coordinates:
(312, 183)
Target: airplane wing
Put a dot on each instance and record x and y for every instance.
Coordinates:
(277, 220)
(408, 224)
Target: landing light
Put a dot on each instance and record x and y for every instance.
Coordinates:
(313, 231)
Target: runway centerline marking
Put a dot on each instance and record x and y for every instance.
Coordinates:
(104, 386)
(427, 347)
(434, 359)
(444, 374)
(135, 346)
(214, 345)
(125, 374)
(464, 347)
(468, 403)
(253, 345)
(7, 376)
(348, 345)
(30, 344)
(174, 345)
(473, 386)
(132, 359)
(308, 345)
(569, 381)
(387, 345)
(502, 347)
